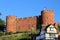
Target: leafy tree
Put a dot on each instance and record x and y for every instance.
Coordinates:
(59, 26)
(2, 23)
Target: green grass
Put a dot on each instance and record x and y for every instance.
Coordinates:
(18, 36)
(15, 37)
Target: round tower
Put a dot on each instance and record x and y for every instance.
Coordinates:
(47, 17)
(11, 23)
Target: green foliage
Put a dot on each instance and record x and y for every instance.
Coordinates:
(5, 33)
(35, 31)
(16, 37)
(1, 33)
(8, 33)
(29, 32)
(22, 31)
(59, 27)
(23, 37)
(2, 22)
(27, 35)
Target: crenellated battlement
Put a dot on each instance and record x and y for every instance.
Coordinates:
(34, 17)
(13, 23)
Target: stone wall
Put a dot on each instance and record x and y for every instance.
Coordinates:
(11, 23)
(27, 23)
(47, 17)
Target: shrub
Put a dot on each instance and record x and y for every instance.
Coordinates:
(22, 31)
(8, 33)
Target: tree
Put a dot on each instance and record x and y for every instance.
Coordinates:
(2, 24)
(59, 26)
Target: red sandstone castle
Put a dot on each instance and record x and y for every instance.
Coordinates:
(14, 24)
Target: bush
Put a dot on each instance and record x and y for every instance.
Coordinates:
(35, 31)
(8, 33)
(21, 31)
(22, 37)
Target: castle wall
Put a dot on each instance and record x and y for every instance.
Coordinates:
(15, 24)
(27, 23)
(11, 23)
(47, 17)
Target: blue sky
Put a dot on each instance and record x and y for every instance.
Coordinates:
(27, 8)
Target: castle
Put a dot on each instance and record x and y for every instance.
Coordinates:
(14, 24)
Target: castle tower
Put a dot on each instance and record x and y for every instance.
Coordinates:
(11, 23)
(47, 17)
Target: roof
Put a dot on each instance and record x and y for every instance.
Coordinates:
(49, 25)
